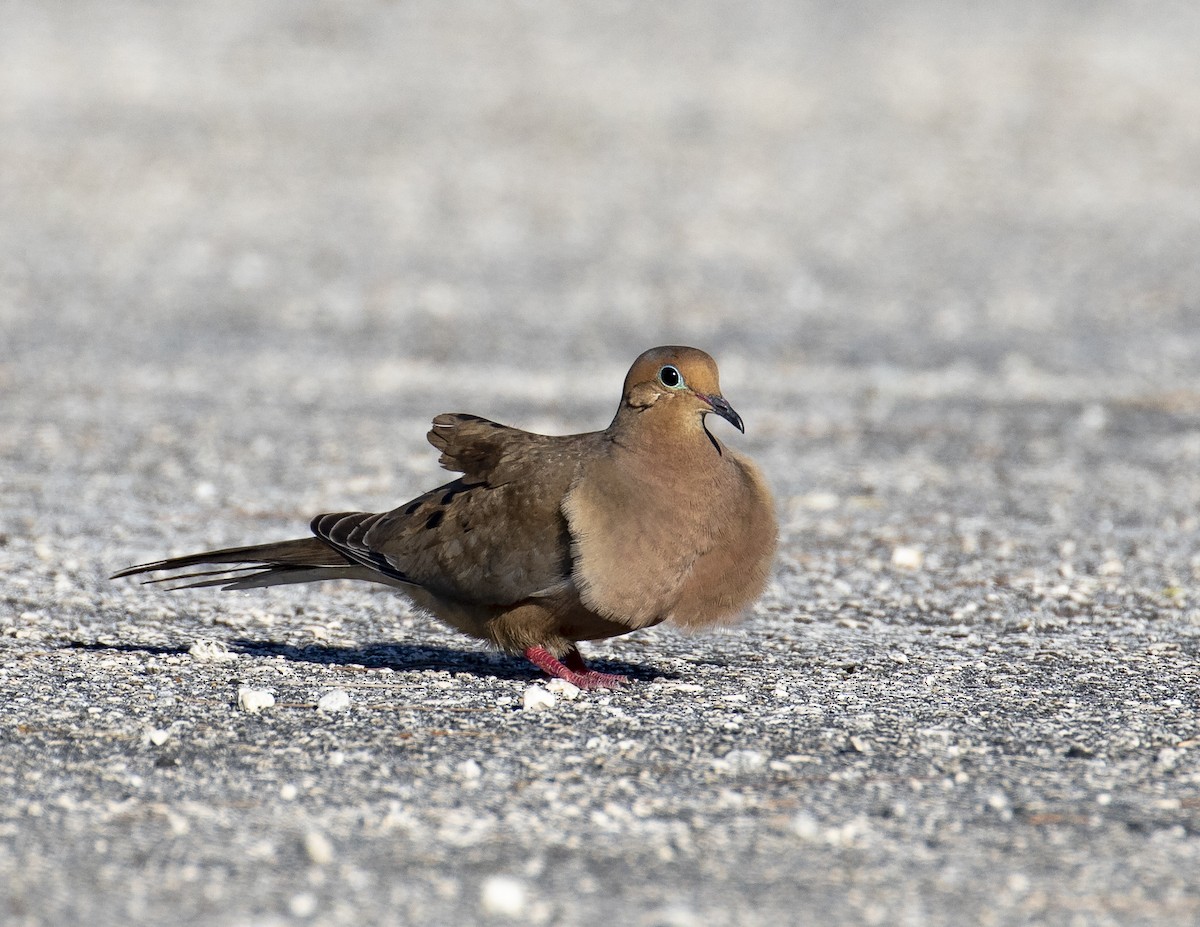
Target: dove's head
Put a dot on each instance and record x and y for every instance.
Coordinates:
(678, 382)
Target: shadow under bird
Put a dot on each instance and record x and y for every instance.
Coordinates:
(545, 541)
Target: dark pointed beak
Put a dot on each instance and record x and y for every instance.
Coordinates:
(725, 410)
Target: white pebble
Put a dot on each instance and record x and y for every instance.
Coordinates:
(805, 826)
(1168, 758)
(158, 736)
(254, 700)
(337, 700)
(503, 896)
(211, 652)
(178, 823)
(908, 558)
(746, 760)
(469, 770)
(1093, 418)
(564, 689)
(819, 501)
(303, 905)
(847, 834)
(318, 848)
(741, 761)
(537, 699)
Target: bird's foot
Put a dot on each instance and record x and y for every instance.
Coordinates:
(573, 669)
(574, 662)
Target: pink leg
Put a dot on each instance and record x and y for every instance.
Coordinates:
(574, 670)
(574, 661)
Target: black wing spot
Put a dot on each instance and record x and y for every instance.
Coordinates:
(413, 506)
(456, 488)
(434, 520)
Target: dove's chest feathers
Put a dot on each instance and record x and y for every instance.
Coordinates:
(683, 533)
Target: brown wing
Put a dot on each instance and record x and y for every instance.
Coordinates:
(495, 536)
(486, 451)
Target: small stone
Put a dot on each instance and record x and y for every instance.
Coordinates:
(469, 770)
(288, 791)
(318, 848)
(820, 501)
(158, 736)
(337, 700)
(1093, 418)
(847, 834)
(908, 558)
(303, 904)
(743, 761)
(254, 700)
(563, 689)
(537, 699)
(503, 896)
(211, 652)
(1168, 758)
(805, 826)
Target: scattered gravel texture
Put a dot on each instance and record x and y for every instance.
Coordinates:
(946, 257)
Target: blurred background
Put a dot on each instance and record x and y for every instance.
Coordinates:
(536, 185)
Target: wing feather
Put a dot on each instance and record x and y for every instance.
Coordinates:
(494, 536)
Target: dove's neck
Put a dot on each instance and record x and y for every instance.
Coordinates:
(667, 440)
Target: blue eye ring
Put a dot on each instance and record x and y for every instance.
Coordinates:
(670, 377)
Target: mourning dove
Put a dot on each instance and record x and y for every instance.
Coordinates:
(546, 541)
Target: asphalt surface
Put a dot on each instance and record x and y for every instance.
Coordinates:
(947, 260)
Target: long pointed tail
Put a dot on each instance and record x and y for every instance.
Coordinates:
(303, 560)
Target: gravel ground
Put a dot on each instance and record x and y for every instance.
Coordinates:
(948, 263)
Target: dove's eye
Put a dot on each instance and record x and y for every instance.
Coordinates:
(670, 377)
